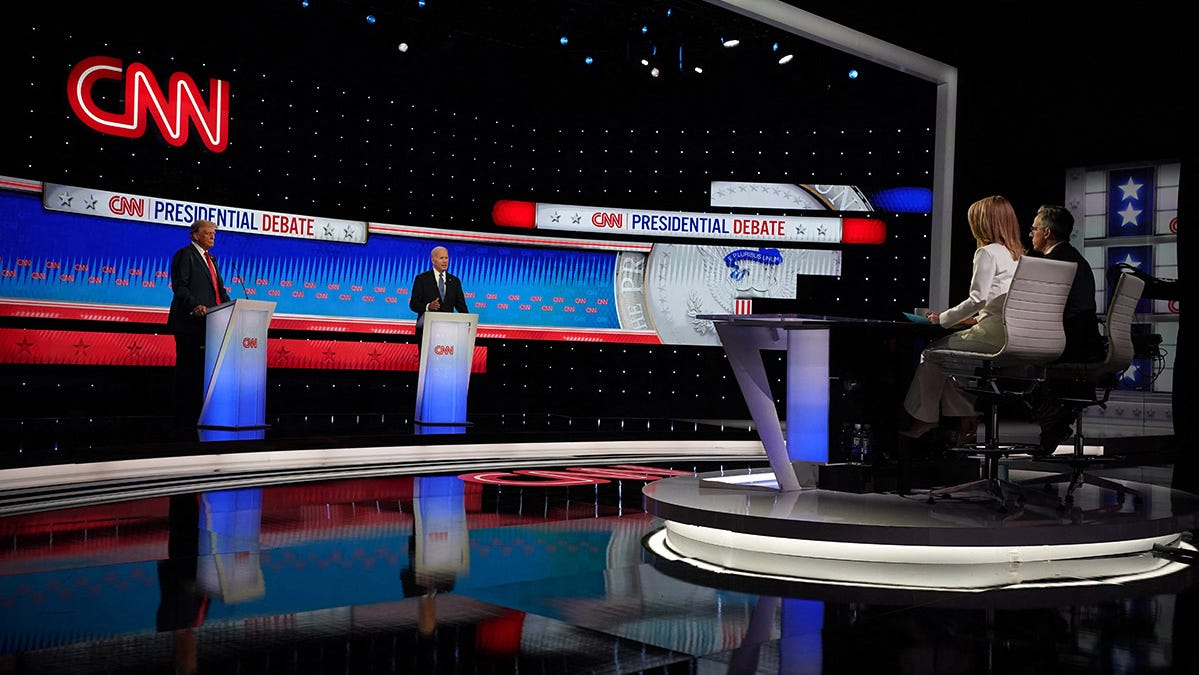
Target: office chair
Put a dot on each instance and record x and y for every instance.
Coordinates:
(1032, 321)
(1098, 379)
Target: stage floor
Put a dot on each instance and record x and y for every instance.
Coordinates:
(505, 552)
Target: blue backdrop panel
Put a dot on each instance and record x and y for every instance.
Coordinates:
(54, 256)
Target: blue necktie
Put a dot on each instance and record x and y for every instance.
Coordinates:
(441, 286)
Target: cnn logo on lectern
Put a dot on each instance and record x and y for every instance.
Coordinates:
(249, 343)
(446, 350)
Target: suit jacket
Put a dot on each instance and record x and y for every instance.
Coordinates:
(192, 285)
(1083, 341)
(424, 291)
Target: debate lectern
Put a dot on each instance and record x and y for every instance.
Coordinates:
(235, 365)
(447, 349)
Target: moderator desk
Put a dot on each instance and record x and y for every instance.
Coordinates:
(796, 458)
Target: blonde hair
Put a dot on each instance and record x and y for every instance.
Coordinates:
(993, 221)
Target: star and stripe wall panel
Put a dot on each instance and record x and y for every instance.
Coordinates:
(1126, 216)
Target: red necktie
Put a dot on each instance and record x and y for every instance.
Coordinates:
(216, 286)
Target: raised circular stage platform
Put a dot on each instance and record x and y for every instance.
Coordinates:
(742, 524)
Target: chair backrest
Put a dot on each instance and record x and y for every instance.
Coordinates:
(1032, 312)
(1118, 323)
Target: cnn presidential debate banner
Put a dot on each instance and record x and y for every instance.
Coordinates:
(77, 253)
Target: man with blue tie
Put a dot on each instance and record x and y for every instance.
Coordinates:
(436, 290)
(197, 286)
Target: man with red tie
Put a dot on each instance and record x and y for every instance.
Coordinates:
(197, 286)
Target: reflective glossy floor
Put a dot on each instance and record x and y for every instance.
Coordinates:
(526, 554)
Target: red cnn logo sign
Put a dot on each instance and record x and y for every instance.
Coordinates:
(127, 206)
(601, 219)
(172, 111)
(249, 343)
(448, 350)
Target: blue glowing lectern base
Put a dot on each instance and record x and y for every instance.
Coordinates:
(235, 365)
(447, 349)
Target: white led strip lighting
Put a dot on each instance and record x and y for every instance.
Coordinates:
(926, 567)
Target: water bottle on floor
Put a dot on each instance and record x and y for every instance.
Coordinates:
(864, 445)
(855, 445)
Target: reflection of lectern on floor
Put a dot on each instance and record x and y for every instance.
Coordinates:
(235, 365)
(447, 349)
(229, 564)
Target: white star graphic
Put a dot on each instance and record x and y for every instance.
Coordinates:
(1129, 374)
(1129, 215)
(1130, 261)
(1131, 189)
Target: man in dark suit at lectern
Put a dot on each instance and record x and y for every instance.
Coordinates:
(436, 290)
(197, 286)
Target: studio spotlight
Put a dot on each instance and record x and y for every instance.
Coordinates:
(644, 62)
(370, 18)
(730, 43)
(303, 3)
(774, 47)
(654, 72)
(403, 46)
(588, 60)
(562, 40)
(853, 74)
(699, 70)
(420, 3)
(786, 59)
(644, 30)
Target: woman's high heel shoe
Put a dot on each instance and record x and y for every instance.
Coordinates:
(918, 429)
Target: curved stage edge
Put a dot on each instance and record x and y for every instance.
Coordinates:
(75, 484)
(731, 526)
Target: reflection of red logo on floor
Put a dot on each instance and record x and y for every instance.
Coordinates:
(572, 475)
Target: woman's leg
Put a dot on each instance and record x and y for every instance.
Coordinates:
(923, 400)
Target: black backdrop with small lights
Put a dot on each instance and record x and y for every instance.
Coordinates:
(427, 113)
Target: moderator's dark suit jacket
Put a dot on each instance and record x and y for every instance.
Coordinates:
(192, 286)
(424, 291)
(1083, 342)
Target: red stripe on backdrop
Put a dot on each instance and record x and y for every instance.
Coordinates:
(60, 347)
(47, 310)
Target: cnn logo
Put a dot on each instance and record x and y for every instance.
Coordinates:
(447, 350)
(171, 110)
(601, 219)
(249, 343)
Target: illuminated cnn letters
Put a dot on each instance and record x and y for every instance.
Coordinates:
(171, 111)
